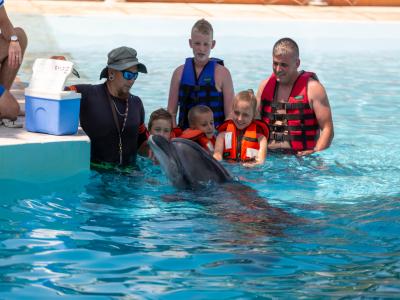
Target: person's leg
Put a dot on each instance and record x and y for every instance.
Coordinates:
(7, 74)
(9, 107)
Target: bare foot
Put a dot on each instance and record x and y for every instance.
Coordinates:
(9, 107)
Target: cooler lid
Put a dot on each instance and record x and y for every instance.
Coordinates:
(62, 95)
(49, 75)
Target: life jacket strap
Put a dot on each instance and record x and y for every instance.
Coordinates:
(283, 128)
(279, 137)
(282, 117)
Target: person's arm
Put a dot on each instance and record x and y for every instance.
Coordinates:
(174, 94)
(143, 132)
(144, 149)
(227, 90)
(262, 152)
(258, 97)
(320, 104)
(7, 30)
(219, 146)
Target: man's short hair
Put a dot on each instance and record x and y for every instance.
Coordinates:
(195, 111)
(158, 114)
(285, 46)
(204, 27)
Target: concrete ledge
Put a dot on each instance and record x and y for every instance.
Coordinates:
(41, 158)
(207, 10)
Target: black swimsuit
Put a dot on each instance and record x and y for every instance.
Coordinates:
(97, 121)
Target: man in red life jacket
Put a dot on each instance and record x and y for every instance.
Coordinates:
(294, 104)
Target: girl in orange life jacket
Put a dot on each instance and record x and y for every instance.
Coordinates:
(160, 123)
(242, 138)
(201, 127)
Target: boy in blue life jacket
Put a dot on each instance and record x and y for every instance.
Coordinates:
(201, 80)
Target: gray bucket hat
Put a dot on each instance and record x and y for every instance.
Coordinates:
(121, 59)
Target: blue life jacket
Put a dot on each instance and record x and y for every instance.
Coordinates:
(193, 91)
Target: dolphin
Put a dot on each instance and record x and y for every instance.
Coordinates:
(186, 164)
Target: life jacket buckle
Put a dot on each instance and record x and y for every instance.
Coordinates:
(277, 137)
(278, 128)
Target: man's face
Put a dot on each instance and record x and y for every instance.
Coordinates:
(285, 67)
(201, 45)
(121, 84)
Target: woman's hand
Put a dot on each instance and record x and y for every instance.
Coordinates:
(14, 55)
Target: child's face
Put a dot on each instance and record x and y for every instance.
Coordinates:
(161, 127)
(205, 123)
(201, 45)
(242, 114)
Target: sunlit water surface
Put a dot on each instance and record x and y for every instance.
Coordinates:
(335, 231)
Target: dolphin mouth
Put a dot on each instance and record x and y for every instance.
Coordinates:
(162, 147)
(158, 144)
(169, 160)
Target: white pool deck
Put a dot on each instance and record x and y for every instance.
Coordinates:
(40, 158)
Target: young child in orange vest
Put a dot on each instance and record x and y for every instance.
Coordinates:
(160, 123)
(242, 138)
(201, 127)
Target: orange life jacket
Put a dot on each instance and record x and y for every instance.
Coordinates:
(242, 147)
(199, 137)
(300, 125)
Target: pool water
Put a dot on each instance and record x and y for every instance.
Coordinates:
(332, 230)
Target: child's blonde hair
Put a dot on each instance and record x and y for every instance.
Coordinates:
(195, 111)
(204, 27)
(158, 114)
(246, 96)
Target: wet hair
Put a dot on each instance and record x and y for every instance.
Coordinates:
(247, 96)
(158, 114)
(195, 111)
(204, 27)
(285, 46)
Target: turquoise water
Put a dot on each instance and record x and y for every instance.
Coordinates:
(136, 237)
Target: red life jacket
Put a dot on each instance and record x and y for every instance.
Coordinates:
(242, 147)
(176, 132)
(199, 137)
(300, 125)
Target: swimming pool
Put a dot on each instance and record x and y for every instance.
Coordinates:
(136, 237)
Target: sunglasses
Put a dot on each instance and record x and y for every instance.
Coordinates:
(128, 75)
